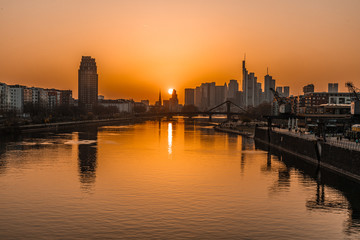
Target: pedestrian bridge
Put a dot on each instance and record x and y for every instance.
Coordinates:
(230, 110)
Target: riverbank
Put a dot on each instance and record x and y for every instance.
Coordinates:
(32, 128)
(245, 132)
(63, 125)
(334, 156)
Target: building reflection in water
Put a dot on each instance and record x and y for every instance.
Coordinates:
(159, 128)
(87, 157)
(3, 162)
(247, 143)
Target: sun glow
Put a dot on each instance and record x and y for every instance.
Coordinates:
(170, 91)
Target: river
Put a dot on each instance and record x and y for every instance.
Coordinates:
(166, 180)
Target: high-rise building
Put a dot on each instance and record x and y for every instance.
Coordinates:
(17, 98)
(197, 97)
(207, 91)
(189, 96)
(173, 102)
(244, 83)
(310, 88)
(333, 87)
(286, 92)
(88, 83)
(253, 93)
(251, 90)
(212, 93)
(258, 94)
(220, 94)
(269, 82)
(279, 90)
(4, 97)
(232, 89)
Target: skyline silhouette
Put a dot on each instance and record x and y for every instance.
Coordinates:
(141, 46)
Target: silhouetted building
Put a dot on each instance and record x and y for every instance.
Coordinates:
(309, 88)
(166, 104)
(189, 96)
(269, 82)
(173, 102)
(233, 88)
(220, 94)
(122, 105)
(279, 90)
(204, 96)
(146, 102)
(88, 83)
(245, 76)
(197, 97)
(333, 87)
(286, 92)
(251, 90)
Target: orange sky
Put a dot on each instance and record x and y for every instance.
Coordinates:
(141, 46)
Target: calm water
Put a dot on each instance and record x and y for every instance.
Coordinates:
(166, 180)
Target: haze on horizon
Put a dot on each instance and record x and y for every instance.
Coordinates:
(142, 46)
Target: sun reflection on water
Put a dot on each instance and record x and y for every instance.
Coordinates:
(170, 138)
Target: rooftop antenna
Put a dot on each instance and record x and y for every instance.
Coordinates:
(267, 70)
(244, 56)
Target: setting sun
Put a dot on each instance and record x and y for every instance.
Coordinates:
(170, 91)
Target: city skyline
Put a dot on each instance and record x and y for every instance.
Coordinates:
(141, 46)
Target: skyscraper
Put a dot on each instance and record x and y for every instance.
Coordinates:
(244, 83)
(286, 91)
(232, 89)
(189, 96)
(220, 94)
(173, 102)
(197, 97)
(251, 93)
(88, 83)
(269, 82)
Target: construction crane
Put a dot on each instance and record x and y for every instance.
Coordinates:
(284, 106)
(355, 102)
(352, 90)
(277, 96)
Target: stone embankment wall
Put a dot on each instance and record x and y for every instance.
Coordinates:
(338, 159)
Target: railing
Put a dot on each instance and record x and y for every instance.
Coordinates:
(344, 144)
(295, 134)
